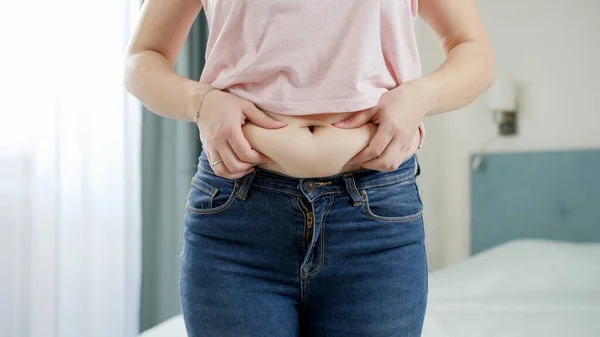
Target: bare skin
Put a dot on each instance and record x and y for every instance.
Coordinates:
(310, 146)
(225, 119)
(151, 77)
(468, 70)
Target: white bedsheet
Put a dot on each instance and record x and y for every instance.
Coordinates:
(522, 288)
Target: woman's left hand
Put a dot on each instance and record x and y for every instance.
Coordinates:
(398, 115)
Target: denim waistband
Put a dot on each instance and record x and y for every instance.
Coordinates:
(350, 182)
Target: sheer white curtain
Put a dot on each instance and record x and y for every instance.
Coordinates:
(69, 171)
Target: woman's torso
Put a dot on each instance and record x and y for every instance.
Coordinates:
(310, 63)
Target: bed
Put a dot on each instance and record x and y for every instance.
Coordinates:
(535, 268)
(535, 240)
(519, 288)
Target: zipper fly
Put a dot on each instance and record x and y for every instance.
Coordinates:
(309, 219)
(309, 223)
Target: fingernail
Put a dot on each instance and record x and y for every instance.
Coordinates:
(342, 123)
(351, 162)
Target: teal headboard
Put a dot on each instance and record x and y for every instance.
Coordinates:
(546, 195)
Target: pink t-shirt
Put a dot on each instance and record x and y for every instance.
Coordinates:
(299, 57)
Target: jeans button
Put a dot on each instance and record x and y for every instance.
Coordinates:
(310, 185)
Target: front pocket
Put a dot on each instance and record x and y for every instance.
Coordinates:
(205, 197)
(393, 203)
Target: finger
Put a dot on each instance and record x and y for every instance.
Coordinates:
(391, 158)
(376, 146)
(231, 161)
(356, 119)
(216, 159)
(219, 168)
(257, 117)
(222, 171)
(244, 151)
(241, 174)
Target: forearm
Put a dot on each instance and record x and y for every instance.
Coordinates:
(151, 78)
(468, 71)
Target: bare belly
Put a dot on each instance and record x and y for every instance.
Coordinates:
(309, 146)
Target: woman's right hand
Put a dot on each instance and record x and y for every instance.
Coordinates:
(220, 122)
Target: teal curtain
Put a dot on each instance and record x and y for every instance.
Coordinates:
(170, 150)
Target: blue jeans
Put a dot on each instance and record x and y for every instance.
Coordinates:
(272, 255)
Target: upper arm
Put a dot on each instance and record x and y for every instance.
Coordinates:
(453, 22)
(163, 26)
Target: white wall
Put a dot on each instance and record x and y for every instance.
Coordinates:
(552, 48)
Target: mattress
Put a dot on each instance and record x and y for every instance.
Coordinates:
(520, 288)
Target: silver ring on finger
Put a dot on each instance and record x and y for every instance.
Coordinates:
(216, 163)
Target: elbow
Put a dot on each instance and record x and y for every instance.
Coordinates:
(129, 73)
(482, 53)
(490, 75)
(489, 71)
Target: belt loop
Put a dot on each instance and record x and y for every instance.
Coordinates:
(246, 182)
(352, 189)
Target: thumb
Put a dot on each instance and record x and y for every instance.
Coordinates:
(357, 119)
(259, 118)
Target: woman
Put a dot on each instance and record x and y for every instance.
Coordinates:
(304, 218)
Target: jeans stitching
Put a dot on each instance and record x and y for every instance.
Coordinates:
(298, 203)
(341, 191)
(396, 181)
(286, 191)
(322, 261)
(218, 209)
(387, 219)
(329, 193)
(211, 193)
(245, 185)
